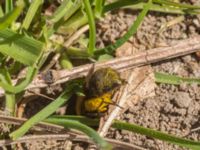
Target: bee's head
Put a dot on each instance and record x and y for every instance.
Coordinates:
(105, 80)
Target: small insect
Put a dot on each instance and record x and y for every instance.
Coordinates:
(101, 86)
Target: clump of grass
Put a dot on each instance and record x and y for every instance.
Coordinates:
(26, 40)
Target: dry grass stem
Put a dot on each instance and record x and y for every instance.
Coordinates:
(67, 44)
(75, 36)
(182, 48)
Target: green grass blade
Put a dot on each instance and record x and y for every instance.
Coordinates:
(1, 12)
(119, 4)
(21, 48)
(130, 127)
(9, 97)
(72, 24)
(92, 27)
(98, 8)
(11, 16)
(157, 134)
(8, 6)
(73, 52)
(31, 72)
(69, 123)
(65, 62)
(10, 104)
(44, 113)
(173, 79)
(133, 29)
(185, 6)
(82, 119)
(135, 5)
(76, 5)
(166, 9)
(61, 11)
(70, 12)
(4, 76)
(31, 13)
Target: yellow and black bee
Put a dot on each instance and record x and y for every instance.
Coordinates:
(99, 92)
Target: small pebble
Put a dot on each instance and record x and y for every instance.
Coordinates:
(182, 99)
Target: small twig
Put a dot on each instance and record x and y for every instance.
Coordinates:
(192, 130)
(67, 44)
(75, 36)
(195, 129)
(182, 48)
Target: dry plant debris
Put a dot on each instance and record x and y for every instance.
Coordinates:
(140, 85)
(183, 47)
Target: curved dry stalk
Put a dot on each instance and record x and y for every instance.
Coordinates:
(182, 48)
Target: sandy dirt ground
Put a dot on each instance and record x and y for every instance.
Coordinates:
(174, 109)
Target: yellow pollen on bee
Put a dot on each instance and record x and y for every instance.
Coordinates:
(98, 104)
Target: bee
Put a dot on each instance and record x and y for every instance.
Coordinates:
(101, 87)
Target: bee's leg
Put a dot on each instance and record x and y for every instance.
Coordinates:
(98, 108)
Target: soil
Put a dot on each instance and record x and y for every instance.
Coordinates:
(174, 109)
